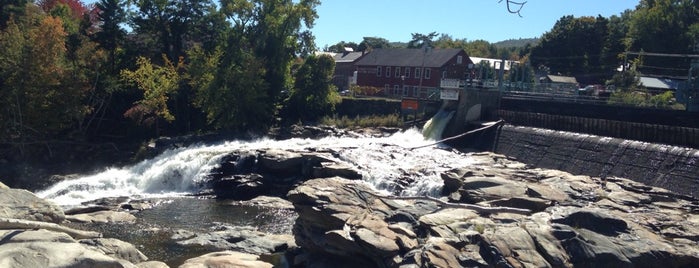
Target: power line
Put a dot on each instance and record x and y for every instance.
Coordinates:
(663, 54)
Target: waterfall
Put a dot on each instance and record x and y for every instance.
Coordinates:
(434, 127)
(382, 162)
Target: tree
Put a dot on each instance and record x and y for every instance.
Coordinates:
(370, 43)
(9, 9)
(314, 95)
(158, 83)
(111, 15)
(172, 22)
(664, 26)
(420, 40)
(575, 47)
(340, 47)
(230, 89)
(276, 32)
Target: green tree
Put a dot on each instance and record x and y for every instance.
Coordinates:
(419, 40)
(173, 23)
(230, 89)
(9, 9)
(276, 32)
(314, 95)
(575, 47)
(370, 43)
(340, 47)
(158, 84)
(664, 26)
(111, 15)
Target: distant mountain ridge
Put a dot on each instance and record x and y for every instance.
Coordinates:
(521, 42)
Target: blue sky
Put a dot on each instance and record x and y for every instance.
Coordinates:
(395, 20)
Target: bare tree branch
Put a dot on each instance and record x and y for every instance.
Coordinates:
(517, 5)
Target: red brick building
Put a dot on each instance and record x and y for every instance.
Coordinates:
(398, 72)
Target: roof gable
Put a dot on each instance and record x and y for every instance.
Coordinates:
(409, 57)
(347, 57)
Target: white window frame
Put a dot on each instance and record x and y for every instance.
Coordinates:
(418, 72)
(407, 72)
(459, 59)
(387, 89)
(388, 71)
(397, 72)
(378, 71)
(428, 73)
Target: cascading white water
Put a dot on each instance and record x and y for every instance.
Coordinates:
(382, 161)
(434, 127)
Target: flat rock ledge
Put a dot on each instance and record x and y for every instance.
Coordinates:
(573, 221)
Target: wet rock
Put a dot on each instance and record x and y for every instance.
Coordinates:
(280, 162)
(240, 187)
(333, 169)
(22, 204)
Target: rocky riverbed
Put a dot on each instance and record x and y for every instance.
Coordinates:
(492, 211)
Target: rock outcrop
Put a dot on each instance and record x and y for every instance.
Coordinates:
(574, 221)
(22, 204)
(31, 236)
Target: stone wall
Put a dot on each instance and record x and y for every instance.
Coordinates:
(670, 167)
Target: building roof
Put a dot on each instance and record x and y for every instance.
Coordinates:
(347, 57)
(408, 57)
(562, 79)
(660, 83)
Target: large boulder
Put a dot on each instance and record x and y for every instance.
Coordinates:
(22, 204)
(42, 248)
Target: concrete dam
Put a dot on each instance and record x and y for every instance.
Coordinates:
(585, 140)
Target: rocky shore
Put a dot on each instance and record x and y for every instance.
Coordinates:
(496, 212)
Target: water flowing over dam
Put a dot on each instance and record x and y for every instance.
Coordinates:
(381, 161)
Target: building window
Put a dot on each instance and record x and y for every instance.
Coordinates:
(378, 71)
(428, 73)
(417, 72)
(405, 90)
(444, 74)
(397, 72)
(388, 71)
(415, 92)
(396, 90)
(459, 59)
(407, 72)
(387, 89)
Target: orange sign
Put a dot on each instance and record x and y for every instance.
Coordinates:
(409, 104)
